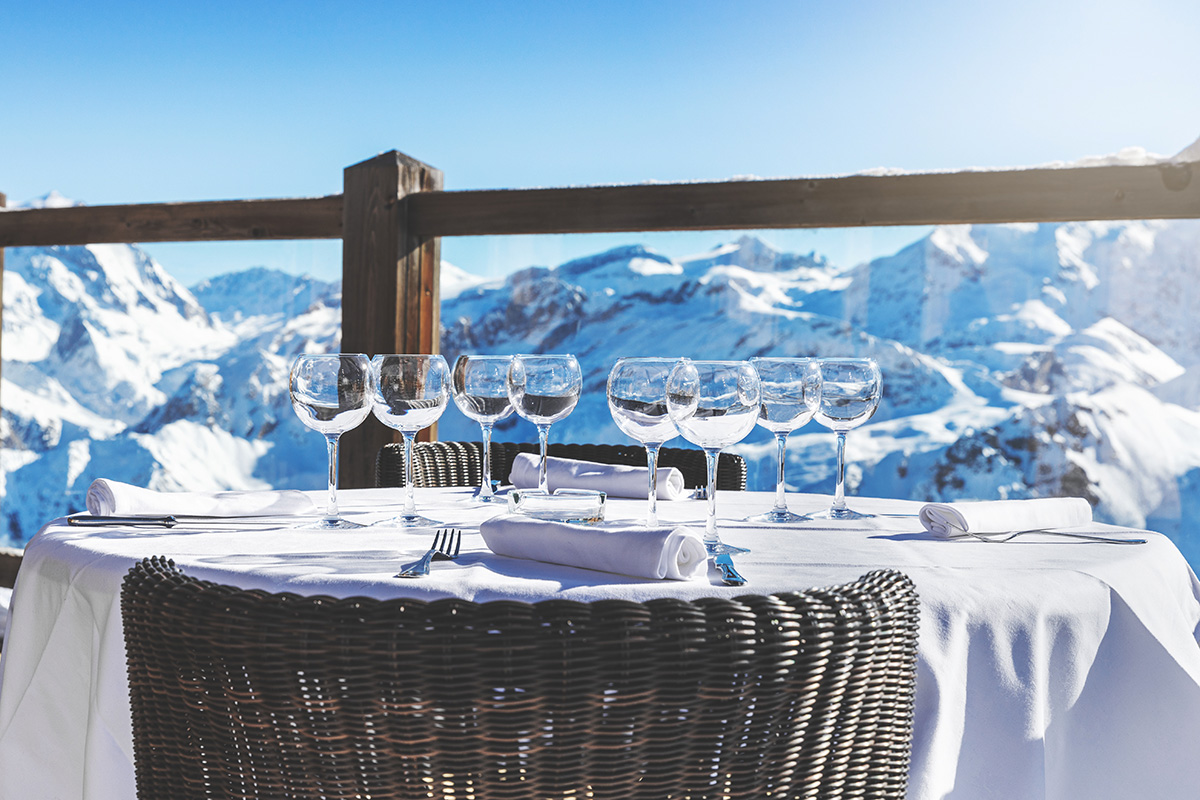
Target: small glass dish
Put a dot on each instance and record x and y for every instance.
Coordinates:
(565, 505)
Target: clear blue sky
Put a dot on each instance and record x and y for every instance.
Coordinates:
(122, 102)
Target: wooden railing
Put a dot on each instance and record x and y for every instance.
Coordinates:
(392, 213)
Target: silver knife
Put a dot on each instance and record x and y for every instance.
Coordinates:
(729, 575)
(164, 521)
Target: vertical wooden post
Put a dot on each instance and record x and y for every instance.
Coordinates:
(390, 296)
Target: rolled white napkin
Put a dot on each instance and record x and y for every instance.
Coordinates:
(113, 498)
(615, 480)
(1003, 516)
(667, 552)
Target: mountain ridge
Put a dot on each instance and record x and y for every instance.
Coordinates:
(1018, 361)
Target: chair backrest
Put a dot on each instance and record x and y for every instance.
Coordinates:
(246, 693)
(460, 463)
(10, 562)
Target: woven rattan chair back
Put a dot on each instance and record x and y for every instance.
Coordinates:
(248, 694)
(460, 463)
(10, 562)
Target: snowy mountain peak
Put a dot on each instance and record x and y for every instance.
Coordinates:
(623, 257)
(99, 278)
(259, 291)
(1189, 153)
(752, 253)
(957, 242)
(51, 199)
(456, 280)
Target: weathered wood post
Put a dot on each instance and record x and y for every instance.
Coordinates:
(390, 297)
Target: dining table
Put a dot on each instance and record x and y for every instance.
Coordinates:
(1048, 666)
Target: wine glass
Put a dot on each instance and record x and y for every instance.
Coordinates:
(784, 408)
(845, 393)
(713, 404)
(637, 400)
(544, 389)
(329, 395)
(481, 393)
(410, 392)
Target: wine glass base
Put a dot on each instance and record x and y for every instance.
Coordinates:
(407, 521)
(720, 548)
(774, 517)
(326, 524)
(491, 498)
(842, 514)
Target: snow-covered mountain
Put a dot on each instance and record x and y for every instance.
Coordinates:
(1018, 361)
(113, 368)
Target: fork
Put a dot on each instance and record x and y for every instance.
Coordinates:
(1004, 537)
(446, 545)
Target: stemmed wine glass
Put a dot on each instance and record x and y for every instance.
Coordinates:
(714, 404)
(785, 407)
(637, 400)
(544, 389)
(410, 392)
(329, 395)
(481, 393)
(845, 393)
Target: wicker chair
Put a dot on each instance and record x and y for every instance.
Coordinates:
(240, 693)
(10, 562)
(461, 463)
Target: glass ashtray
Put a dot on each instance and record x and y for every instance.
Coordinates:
(565, 505)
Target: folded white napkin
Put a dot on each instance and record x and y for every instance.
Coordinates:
(113, 498)
(677, 553)
(1003, 516)
(615, 480)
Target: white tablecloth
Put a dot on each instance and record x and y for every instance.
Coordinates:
(1048, 668)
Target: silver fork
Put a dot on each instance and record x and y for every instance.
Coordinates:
(446, 545)
(1004, 537)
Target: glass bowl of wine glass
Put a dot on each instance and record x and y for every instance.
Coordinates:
(844, 394)
(544, 389)
(785, 407)
(481, 393)
(409, 393)
(713, 404)
(329, 395)
(637, 400)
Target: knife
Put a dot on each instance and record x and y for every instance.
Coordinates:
(729, 575)
(165, 521)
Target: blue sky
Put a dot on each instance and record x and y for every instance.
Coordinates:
(123, 102)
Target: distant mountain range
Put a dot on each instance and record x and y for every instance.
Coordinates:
(1018, 361)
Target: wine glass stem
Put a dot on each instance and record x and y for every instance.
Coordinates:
(331, 508)
(410, 502)
(710, 527)
(544, 441)
(781, 447)
(652, 505)
(839, 492)
(485, 490)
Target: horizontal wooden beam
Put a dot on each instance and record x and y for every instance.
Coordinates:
(210, 221)
(1032, 195)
